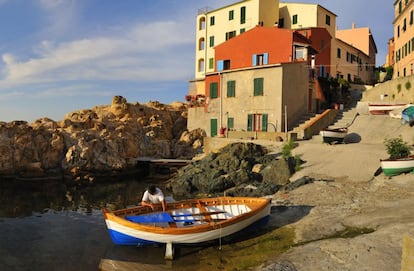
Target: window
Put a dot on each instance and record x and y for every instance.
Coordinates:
(226, 64)
(348, 57)
(242, 30)
(223, 65)
(231, 15)
(260, 59)
(242, 15)
(211, 63)
(411, 17)
(281, 23)
(212, 20)
(299, 53)
(213, 90)
(404, 25)
(230, 123)
(295, 19)
(202, 23)
(328, 20)
(398, 31)
(230, 35)
(258, 87)
(231, 88)
(400, 7)
(201, 44)
(257, 122)
(211, 44)
(201, 65)
(338, 53)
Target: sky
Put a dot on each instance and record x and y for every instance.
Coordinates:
(60, 56)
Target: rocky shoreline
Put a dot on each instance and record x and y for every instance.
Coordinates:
(97, 142)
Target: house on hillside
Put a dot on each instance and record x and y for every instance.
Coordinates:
(263, 81)
(353, 51)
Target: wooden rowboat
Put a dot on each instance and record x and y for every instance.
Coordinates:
(393, 167)
(383, 109)
(334, 135)
(186, 222)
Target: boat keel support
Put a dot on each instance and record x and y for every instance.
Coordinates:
(169, 251)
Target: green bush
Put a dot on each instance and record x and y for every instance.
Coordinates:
(408, 85)
(287, 149)
(397, 148)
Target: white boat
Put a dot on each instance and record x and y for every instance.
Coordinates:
(334, 135)
(393, 167)
(383, 109)
(186, 222)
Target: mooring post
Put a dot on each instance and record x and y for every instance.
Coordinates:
(169, 251)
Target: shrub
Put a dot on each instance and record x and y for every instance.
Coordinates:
(287, 149)
(408, 85)
(397, 148)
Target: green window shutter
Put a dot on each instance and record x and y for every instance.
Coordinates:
(258, 87)
(213, 90)
(212, 20)
(249, 122)
(213, 127)
(211, 63)
(230, 123)
(264, 123)
(231, 15)
(231, 88)
(242, 15)
(295, 19)
(211, 41)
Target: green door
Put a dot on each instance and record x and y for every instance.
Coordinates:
(213, 127)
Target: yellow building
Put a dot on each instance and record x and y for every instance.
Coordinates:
(353, 51)
(358, 62)
(404, 38)
(219, 25)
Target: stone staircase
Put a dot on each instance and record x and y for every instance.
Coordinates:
(344, 118)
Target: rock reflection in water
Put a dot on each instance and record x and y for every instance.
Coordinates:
(23, 198)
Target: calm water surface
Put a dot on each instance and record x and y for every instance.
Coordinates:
(48, 226)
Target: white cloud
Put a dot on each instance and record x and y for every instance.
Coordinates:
(144, 52)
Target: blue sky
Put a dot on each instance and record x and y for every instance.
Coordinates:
(59, 56)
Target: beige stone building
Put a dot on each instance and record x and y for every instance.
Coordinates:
(403, 38)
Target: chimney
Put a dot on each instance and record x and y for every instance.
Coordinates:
(353, 25)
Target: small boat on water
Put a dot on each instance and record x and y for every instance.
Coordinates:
(186, 222)
(336, 135)
(383, 109)
(393, 167)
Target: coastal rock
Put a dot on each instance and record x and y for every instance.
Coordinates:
(235, 170)
(98, 141)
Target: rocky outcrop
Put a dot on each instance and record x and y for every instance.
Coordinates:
(239, 169)
(104, 140)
